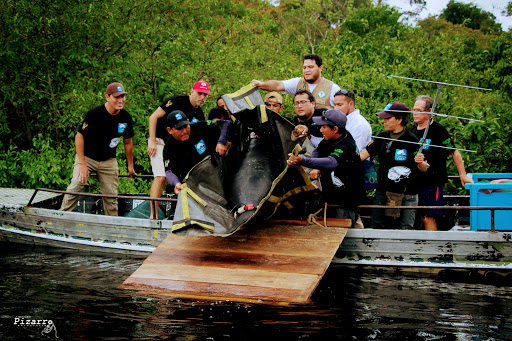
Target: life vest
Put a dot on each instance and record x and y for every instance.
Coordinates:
(322, 92)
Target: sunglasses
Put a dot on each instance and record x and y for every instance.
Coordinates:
(348, 93)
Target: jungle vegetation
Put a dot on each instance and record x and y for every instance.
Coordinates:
(57, 58)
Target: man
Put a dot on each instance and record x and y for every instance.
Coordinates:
(188, 144)
(398, 167)
(336, 162)
(191, 106)
(322, 89)
(274, 101)
(357, 125)
(433, 180)
(96, 143)
(304, 104)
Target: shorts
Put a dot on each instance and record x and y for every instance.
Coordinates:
(157, 161)
(432, 196)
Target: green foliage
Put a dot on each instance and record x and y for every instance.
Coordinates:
(471, 16)
(58, 57)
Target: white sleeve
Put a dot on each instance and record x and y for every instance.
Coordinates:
(335, 88)
(290, 85)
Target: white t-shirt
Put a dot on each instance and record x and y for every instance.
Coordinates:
(359, 128)
(290, 87)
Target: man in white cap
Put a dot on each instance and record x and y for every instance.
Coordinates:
(191, 106)
(96, 143)
(336, 162)
(274, 101)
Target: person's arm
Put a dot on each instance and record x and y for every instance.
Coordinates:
(457, 159)
(158, 113)
(83, 171)
(270, 85)
(128, 150)
(364, 155)
(222, 142)
(173, 180)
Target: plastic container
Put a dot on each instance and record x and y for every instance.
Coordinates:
(480, 220)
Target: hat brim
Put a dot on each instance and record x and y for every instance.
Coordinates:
(321, 122)
(181, 124)
(384, 114)
(116, 94)
(204, 91)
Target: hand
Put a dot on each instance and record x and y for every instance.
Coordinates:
(151, 148)
(315, 174)
(177, 188)
(294, 159)
(83, 173)
(131, 172)
(221, 149)
(419, 158)
(256, 83)
(466, 179)
(300, 130)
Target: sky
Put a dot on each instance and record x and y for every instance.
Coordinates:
(435, 7)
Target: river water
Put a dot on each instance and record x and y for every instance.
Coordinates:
(77, 292)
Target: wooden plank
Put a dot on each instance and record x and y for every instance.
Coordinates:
(274, 264)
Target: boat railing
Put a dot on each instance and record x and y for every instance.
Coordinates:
(152, 199)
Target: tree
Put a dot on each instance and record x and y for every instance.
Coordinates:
(471, 16)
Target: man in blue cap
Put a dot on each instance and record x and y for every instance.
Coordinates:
(336, 162)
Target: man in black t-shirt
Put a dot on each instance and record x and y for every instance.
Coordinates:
(188, 144)
(337, 163)
(304, 104)
(96, 143)
(399, 164)
(431, 183)
(191, 106)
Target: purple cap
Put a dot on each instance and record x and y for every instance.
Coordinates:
(396, 109)
(332, 117)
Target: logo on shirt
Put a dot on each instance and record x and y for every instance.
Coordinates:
(200, 147)
(194, 120)
(337, 152)
(84, 125)
(401, 155)
(427, 143)
(336, 181)
(121, 127)
(166, 163)
(168, 104)
(321, 94)
(114, 142)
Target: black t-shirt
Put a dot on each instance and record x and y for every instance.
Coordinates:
(436, 174)
(181, 156)
(178, 102)
(313, 128)
(397, 170)
(345, 185)
(102, 132)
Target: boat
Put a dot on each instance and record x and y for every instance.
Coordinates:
(32, 217)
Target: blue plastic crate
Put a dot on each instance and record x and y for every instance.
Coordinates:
(480, 220)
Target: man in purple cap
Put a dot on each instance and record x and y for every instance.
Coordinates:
(191, 106)
(96, 143)
(399, 163)
(336, 162)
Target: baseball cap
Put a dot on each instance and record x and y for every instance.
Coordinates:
(332, 117)
(396, 109)
(276, 95)
(202, 86)
(115, 89)
(177, 119)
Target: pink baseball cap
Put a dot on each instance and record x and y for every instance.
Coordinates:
(202, 86)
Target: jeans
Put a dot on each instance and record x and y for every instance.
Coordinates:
(407, 216)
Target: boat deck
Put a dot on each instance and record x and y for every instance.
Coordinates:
(19, 197)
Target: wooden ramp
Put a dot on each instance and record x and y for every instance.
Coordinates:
(273, 265)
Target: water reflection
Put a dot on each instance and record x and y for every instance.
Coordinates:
(78, 292)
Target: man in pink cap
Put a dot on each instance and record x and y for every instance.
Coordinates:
(188, 104)
(96, 143)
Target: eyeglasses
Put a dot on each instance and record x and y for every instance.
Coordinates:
(329, 120)
(348, 93)
(298, 104)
